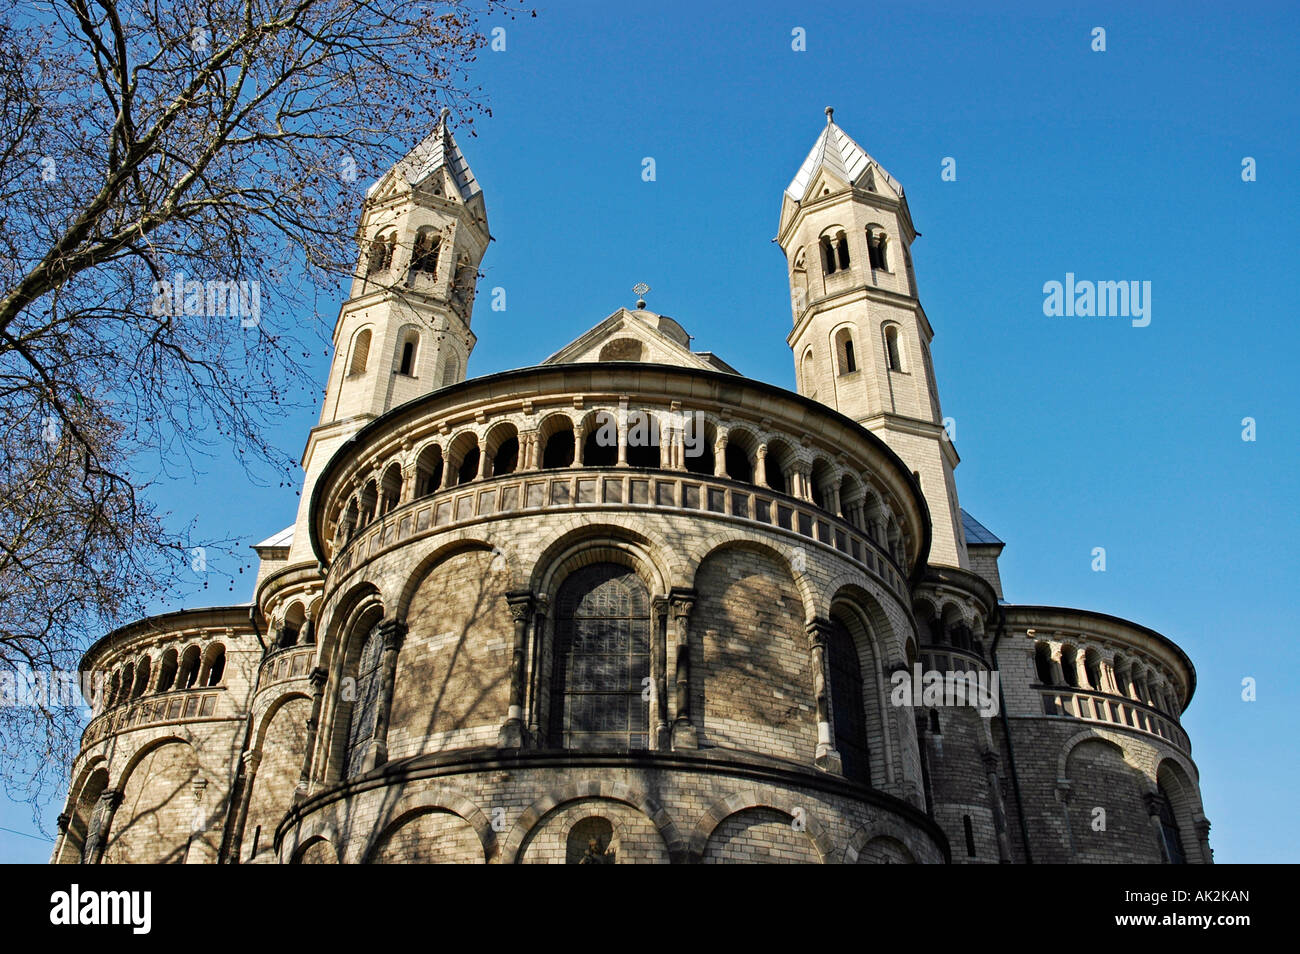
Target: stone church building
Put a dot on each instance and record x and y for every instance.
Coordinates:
(628, 605)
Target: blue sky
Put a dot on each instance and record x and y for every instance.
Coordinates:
(1074, 432)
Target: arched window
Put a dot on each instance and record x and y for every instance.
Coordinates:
(602, 656)
(877, 245)
(428, 471)
(361, 728)
(141, 678)
(1043, 663)
(828, 254)
(1092, 668)
(369, 503)
(468, 469)
(893, 354)
(360, 353)
(214, 669)
(778, 457)
(848, 712)
(737, 463)
(167, 670)
(1070, 666)
(506, 458)
(809, 375)
(408, 353)
(424, 255)
(381, 253)
(848, 361)
(451, 370)
(390, 492)
(294, 619)
(600, 445)
(558, 449)
(835, 252)
(643, 439)
(189, 673)
(1169, 830)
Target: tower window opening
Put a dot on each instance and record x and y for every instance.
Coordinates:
(828, 255)
(844, 346)
(407, 365)
(842, 247)
(970, 835)
(893, 354)
(381, 253)
(424, 257)
(360, 353)
(877, 243)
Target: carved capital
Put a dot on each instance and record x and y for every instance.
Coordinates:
(392, 632)
(818, 630)
(1154, 802)
(521, 604)
(682, 601)
(318, 677)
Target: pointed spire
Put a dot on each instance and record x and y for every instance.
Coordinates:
(438, 150)
(837, 151)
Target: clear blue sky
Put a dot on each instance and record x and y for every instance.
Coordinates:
(1074, 432)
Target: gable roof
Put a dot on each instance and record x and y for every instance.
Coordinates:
(836, 151)
(658, 332)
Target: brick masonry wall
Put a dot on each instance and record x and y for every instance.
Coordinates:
(756, 688)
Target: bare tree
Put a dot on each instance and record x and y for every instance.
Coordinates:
(178, 184)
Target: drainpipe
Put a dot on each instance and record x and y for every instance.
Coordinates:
(1006, 733)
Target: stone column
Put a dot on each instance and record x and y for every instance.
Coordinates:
(511, 735)
(833, 499)
(990, 761)
(251, 761)
(622, 434)
(392, 632)
(63, 821)
(1064, 794)
(537, 668)
(685, 734)
(720, 455)
(760, 472)
(827, 758)
(660, 735)
(1203, 839)
(1058, 667)
(101, 823)
(1153, 801)
(579, 444)
(317, 678)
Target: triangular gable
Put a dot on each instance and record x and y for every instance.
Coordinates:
(655, 333)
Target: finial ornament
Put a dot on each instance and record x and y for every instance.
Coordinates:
(443, 114)
(830, 112)
(640, 288)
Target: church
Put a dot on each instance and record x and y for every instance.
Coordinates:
(628, 606)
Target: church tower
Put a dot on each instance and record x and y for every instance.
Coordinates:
(861, 340)
(404, 330)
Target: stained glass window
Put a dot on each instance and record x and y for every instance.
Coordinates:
(362, 727)
(602, 660)
(846, 702)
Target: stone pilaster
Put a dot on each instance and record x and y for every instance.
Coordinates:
(685, 734)
(511, 735)
(827, 758)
